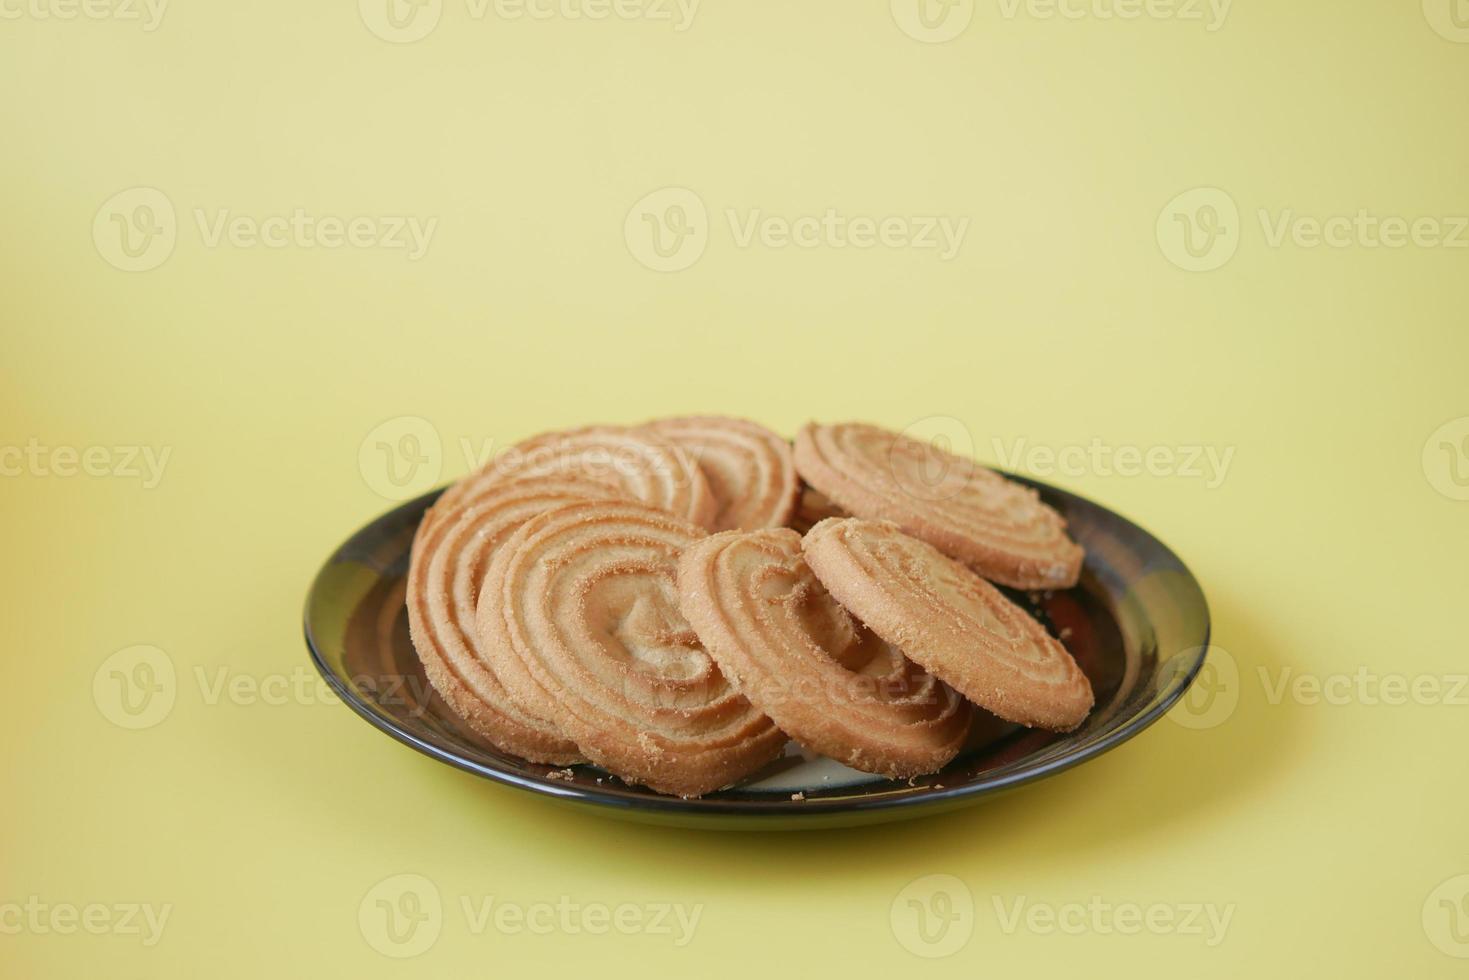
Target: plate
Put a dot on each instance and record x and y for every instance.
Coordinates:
(1137, 624)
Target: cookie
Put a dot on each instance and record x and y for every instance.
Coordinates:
(445, 573)
(998, 527)
(749, 468)
(635, 463)
(586, 597)
(952, 622)
(828, 682)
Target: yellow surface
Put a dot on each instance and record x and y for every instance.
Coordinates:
(1330, 829)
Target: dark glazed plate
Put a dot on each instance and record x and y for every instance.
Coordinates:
(1137, 624)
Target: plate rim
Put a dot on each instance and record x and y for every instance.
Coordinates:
(622, 801)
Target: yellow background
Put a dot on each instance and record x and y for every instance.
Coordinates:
(1326, 549)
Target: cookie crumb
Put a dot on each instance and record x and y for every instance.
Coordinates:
(562, 774)
(798, 797)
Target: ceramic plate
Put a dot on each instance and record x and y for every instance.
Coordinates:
(1137, 624)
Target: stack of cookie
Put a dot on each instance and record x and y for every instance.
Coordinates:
(639, 598)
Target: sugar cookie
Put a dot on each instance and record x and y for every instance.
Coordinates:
(749, 468)
(951, 621)
(636, 463)
(586, 596)
(445, 573)
(998, 527)
(828, 682)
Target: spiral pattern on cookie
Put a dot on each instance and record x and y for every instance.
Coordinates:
(998, 527)
(749, 468)
(446, 570)
(586, 597)
(952, 622)
(829, 683)
(636, 464)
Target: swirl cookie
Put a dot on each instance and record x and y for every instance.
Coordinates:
(636, 464)
(998, 527)
(585, 596)
(829, 683)
(951, 621)
(447, 568)
(749, 468)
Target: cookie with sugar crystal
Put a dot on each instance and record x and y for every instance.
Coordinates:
(949, 620)
(586, 597)
(750, 470)
(636, 464)
(996, 526)
(446, 570)
(828, 682)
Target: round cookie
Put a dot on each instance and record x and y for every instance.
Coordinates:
(828, 682)
(998, 527)
(445, 573)
(952, 622)
(585, 596)
(636, 464)
(749, 469)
